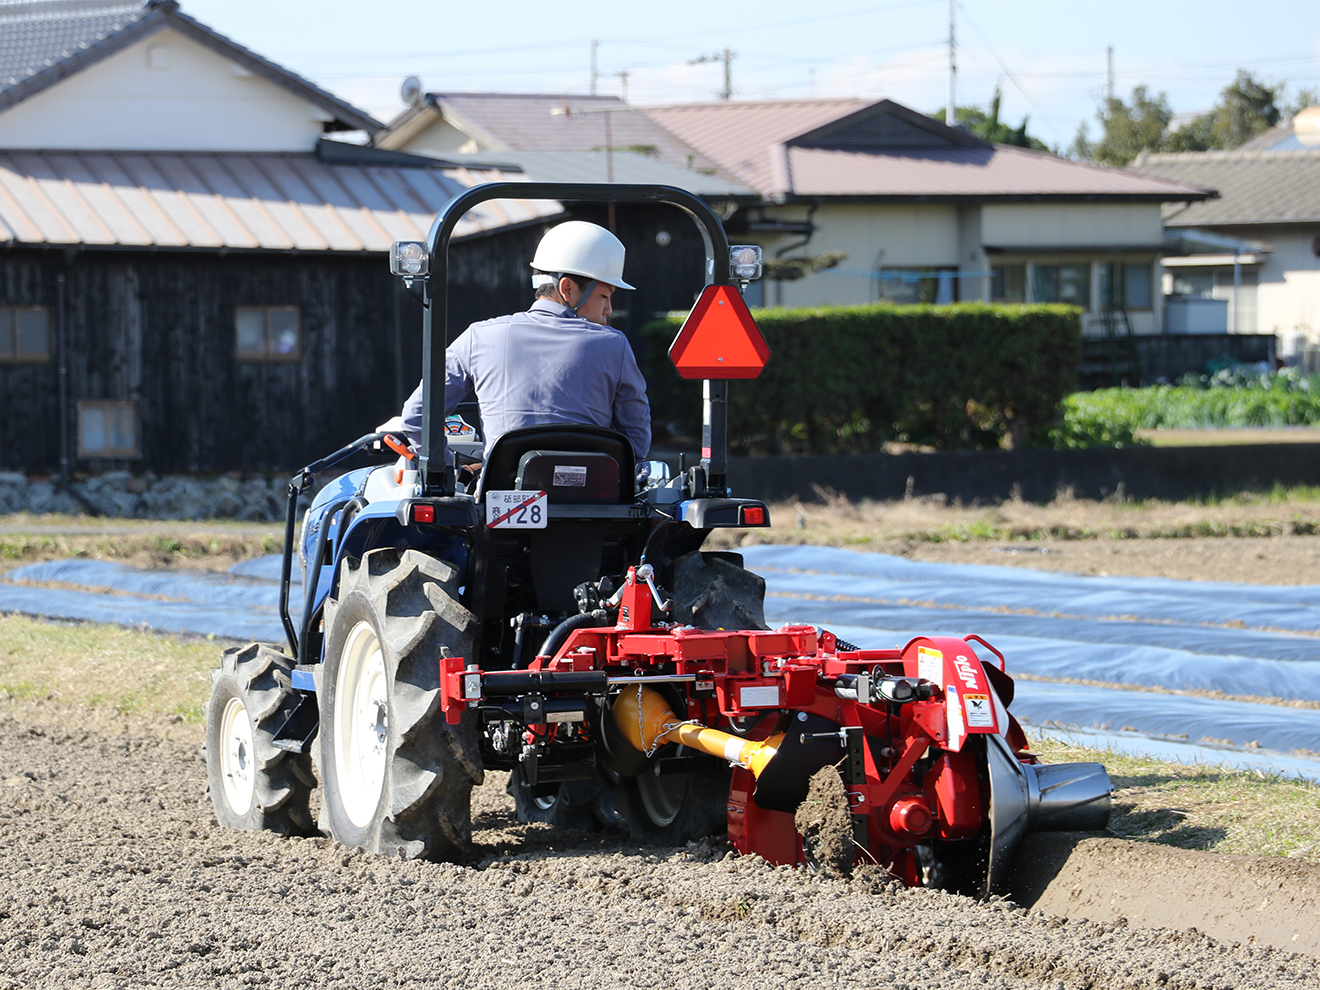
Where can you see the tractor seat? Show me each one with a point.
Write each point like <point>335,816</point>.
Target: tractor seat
<point>575,464</point>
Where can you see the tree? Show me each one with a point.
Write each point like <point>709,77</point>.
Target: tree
<point>988,127</point>
<point>1129,129</point>
<point>1246,107</point>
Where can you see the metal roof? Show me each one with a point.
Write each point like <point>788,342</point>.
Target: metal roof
<point>548,122</point>
<point>1254,186</point>
<point>255,201</point>
<point>882,150</point>
<point>44,41</point>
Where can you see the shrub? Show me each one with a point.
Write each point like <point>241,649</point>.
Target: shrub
<point>847,379</point>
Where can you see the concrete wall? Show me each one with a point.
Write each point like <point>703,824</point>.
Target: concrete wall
<point>165,93</point>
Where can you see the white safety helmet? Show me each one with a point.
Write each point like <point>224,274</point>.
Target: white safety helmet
<point>581,248</point>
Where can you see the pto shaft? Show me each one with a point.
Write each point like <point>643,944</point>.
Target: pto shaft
<point>647,722</point>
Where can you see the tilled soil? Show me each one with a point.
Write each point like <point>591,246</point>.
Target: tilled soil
<point>113,874</point>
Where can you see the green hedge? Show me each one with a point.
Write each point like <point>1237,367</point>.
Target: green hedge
<point>847,379</point>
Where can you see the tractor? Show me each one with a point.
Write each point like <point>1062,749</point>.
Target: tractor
<point>558,619</point>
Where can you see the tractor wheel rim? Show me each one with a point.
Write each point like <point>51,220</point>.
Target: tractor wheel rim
<point>546,802</point>
<point>236,769</point>
<point>662,796</point>
<point>361,724</point>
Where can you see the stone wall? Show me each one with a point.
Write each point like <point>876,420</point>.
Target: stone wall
<point>120,494</point>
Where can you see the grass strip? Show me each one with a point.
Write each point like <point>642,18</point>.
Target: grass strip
<point>100,666</point>
<point>1200,806</point>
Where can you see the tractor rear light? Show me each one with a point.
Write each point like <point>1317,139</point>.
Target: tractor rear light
<point>423,513</point>
<point>752,515</point>
<point>411,259</point>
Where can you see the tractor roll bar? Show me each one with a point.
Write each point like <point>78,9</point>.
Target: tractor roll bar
<point>439,481</point>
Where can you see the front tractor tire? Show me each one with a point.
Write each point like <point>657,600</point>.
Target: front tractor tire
<point>254,785</point>
<point>397,778</point>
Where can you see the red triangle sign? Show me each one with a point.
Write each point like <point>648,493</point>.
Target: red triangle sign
<point>719,339</point>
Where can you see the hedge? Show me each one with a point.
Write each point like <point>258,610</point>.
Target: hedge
<point>847,379</point>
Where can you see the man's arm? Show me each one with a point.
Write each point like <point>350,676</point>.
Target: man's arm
<point>458,382</point>
<point>632,410</point>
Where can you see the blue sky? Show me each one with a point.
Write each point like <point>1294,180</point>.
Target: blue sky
<point>1049,54</point>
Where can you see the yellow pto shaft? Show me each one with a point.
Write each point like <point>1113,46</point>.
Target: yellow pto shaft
<point>646,722</point>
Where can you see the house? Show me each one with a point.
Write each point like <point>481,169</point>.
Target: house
<point>570,138</point>
<point>918,211</point>
<point>193,275</point>
<point>1256,247</point>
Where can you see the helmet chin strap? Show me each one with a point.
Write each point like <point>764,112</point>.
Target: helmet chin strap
<point>586,295</point>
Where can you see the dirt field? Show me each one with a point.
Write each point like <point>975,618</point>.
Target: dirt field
<point>113,874</point>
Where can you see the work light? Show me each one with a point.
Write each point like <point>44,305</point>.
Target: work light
<point>745,262</point>
<point>410,259</point>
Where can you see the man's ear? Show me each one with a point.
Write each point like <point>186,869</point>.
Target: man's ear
<point>566,287</point>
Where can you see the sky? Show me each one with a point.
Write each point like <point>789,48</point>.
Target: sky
<point>1049,56</point>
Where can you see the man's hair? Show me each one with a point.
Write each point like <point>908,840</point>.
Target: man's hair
<point>551,290</point>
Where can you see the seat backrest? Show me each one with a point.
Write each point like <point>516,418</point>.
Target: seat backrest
<point>509,467</point>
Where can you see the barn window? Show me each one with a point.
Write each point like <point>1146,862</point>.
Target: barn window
<point>24,333</point>
<point>268,333</point>
<point>108,429</point>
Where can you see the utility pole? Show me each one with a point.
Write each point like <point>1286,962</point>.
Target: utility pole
<point>950,116</point>
<point>623,84</point>
<point>1109,74</point>
<point>727,58</point>
<point>594,45</point>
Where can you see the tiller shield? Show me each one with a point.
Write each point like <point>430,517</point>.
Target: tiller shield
<point>939,781</point>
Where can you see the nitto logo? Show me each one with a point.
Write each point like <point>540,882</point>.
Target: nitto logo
<point>965,671</point>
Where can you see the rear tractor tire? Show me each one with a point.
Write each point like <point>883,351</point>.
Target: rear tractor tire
<point>397,777</point>
<point>254,785</point>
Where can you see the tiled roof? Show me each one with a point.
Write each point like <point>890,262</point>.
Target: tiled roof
<point>591,166</point>
<point>44,41</point>
<point>36,34</point>
<point>279,202</point>
<point>882,150</point>
<point>1254,186</point>
<point>556,122</point>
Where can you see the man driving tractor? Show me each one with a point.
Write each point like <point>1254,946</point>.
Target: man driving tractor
<point>558,362</point>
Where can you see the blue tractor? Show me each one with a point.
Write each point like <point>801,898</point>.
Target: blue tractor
<point>560,621</point>
<point>403,567</point>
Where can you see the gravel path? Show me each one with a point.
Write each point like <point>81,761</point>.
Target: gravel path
<point>113,874</point>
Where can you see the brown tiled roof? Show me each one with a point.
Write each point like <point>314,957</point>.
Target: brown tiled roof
<point>882,150</point>
<point>275,202</point>
<point>1254,186</point>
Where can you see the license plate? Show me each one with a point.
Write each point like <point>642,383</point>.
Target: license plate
<point>517,510</point>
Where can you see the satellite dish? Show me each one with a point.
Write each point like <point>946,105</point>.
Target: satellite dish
<point>411,91</point>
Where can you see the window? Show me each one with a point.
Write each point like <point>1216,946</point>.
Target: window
<point>1069,284</point>
<point>919,285</point>
<point>24,334</point>
<point>108,429</point>
<point>1133,285</point>
<point>1008,283</point>
<point>268,333</point>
